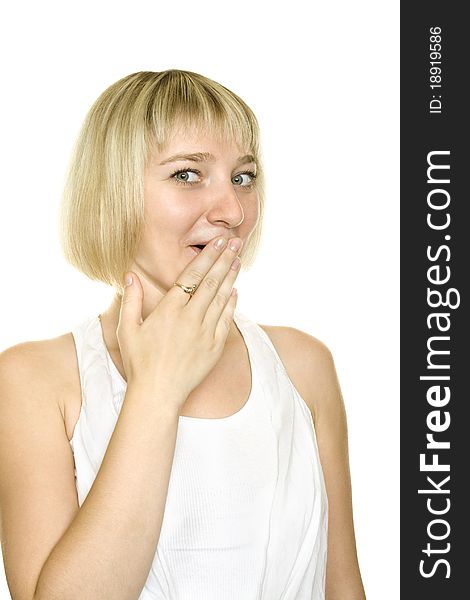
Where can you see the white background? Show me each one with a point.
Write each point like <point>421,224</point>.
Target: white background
<point>322,78</point>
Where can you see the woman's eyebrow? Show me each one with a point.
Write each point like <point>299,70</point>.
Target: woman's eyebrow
<point>204,157</point>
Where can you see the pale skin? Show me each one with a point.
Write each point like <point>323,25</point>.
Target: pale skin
<point>220,204</point>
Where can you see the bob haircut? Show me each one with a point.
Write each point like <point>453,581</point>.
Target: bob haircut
<point>102,209</point>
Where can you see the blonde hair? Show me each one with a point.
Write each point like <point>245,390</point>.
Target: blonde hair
<point>102,211</point>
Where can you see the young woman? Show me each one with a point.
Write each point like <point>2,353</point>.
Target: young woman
<point>169,447</point>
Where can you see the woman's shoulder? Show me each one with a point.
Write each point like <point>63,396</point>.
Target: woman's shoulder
<point>308,361</point>
<point>47,366</point>
<point>46,357</point>
<point>290,338</point>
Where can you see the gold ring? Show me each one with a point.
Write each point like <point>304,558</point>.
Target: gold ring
<point>189,290</point>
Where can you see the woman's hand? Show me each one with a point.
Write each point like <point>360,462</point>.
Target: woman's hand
<point>182,339</point>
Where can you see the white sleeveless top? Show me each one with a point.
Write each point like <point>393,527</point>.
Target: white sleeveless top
<point>246,511</point>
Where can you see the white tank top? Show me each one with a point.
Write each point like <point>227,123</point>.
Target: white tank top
<point>246,511</point>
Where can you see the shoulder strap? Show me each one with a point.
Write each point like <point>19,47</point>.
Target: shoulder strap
<point>258,332</point>
<point>98,413</point>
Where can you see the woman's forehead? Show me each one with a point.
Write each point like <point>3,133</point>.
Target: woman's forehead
<point>202,146</point>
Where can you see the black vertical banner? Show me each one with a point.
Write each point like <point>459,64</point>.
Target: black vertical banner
<point>435,257</point>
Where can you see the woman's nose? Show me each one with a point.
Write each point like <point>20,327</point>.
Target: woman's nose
<point>225,206</point>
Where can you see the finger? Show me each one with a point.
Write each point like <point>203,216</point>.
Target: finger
<point>216,307</point>
<point>226,318</point>
<point>210,285</point>
<point>197,269</point>
<point>130,314</point>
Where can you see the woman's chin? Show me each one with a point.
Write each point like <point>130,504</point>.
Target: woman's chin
<point>163,282</point>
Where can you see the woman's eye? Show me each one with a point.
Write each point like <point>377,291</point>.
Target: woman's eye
<point>184,176</point>
<point>238,179</point>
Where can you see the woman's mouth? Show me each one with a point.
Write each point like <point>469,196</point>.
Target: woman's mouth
<point>198,248</point>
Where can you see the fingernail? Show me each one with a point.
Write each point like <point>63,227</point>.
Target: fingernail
<point>219,243</point>
<point>236,264</point>
<point>235,244</point>
<point>128,280</point>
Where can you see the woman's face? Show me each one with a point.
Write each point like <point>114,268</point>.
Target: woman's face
<point>204,192</point>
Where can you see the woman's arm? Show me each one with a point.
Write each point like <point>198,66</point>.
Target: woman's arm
<point>54,550</point>
<point>311,368</point>
<point>343,578</point>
